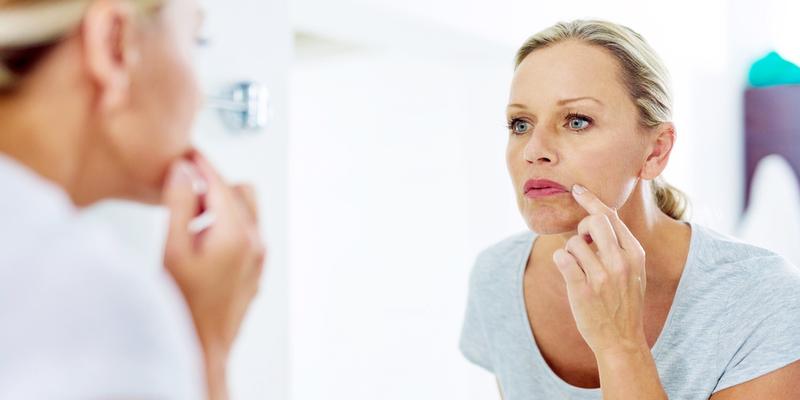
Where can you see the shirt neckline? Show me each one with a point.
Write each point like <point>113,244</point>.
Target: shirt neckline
<point>694,240</point>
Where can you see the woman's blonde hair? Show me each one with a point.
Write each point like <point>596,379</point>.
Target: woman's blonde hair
<point>641,71</point>
<point>28,28</point>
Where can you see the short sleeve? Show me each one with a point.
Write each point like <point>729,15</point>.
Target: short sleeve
<point>78,324</point>
<point>474,343</point>
<point>762,330</point>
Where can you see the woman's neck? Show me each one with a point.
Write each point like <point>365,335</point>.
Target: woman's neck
<point>665,240</point>
<point>42,132</point>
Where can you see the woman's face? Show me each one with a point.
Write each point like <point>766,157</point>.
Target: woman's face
<point>155,127</point>
<point>571,122</point>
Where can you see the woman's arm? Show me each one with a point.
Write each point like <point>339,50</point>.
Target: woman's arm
<point>630,375</point>
<point>606,294</point>
<point>783,383</point>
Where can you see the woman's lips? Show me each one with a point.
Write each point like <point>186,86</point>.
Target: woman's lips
<point>536,188</point>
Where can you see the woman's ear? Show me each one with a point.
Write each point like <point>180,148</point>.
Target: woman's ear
<point>658,150</point>
<point>109,50</point>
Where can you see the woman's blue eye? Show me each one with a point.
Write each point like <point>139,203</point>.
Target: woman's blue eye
<point>579,123</point>
<point>519,126</point>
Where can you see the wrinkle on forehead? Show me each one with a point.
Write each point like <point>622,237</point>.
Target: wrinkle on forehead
<point>567,70</point>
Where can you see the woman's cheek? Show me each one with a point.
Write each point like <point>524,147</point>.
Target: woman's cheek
<point>591,165</point>
<point>515,163</point>
<point>612,182</point>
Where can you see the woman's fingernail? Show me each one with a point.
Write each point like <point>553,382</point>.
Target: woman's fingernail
<point>556,257</point>
<point>578,189</point>
<point>199,185</point>
<point>184,173</point>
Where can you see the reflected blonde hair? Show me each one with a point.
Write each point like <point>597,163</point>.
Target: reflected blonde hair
<point>29,27</point>
<point>641,71</point>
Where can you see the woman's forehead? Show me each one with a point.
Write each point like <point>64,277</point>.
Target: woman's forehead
<point>567,71</point>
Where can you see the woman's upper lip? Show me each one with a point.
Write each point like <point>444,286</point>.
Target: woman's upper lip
<point>542,183</point>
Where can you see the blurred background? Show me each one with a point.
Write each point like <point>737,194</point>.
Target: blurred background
<point>382,173</point>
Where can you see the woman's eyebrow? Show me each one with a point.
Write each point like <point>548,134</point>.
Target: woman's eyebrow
<point>565,101</point>
<point>560,102</point>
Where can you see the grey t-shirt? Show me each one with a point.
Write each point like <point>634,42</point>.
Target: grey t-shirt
<point>735,316</point>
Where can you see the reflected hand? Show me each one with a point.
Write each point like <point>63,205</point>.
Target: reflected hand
<point>217,269</point>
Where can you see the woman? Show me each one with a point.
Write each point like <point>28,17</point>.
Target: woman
<point>613,294</point>
<point>96,102</point>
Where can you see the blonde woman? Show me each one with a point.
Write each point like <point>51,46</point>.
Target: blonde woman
<point>97,99</point>
<point>613,294</point>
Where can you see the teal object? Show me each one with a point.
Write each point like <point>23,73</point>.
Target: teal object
<point>771,70</point>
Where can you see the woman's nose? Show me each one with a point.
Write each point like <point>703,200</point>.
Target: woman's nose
<point>539,148</point>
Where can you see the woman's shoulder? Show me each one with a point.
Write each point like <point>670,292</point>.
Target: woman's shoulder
<point>718,252</point>
<point>509,246</point>
<point>745,272</point>
<point>87,268</point>
<point>719,248</point>
<point>81,292</point>
<point>752,295</point>
<point>88,265</point>
<point>501,258</point>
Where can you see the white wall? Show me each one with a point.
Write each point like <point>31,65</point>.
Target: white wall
<point>252,40</point>
<point>396,174</point>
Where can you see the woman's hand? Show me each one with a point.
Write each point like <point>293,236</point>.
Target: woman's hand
<point>606,294</point>
<point>605,288</point>
<point>218,269</point>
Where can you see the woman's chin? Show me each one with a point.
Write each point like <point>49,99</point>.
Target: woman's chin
<point>549,223</point>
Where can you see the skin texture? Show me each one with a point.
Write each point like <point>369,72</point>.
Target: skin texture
<point>108,114</point>
<point>603,271</point>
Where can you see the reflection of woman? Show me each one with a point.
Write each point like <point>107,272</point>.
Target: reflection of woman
<point>96,102</point>
<point>567,311</point>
